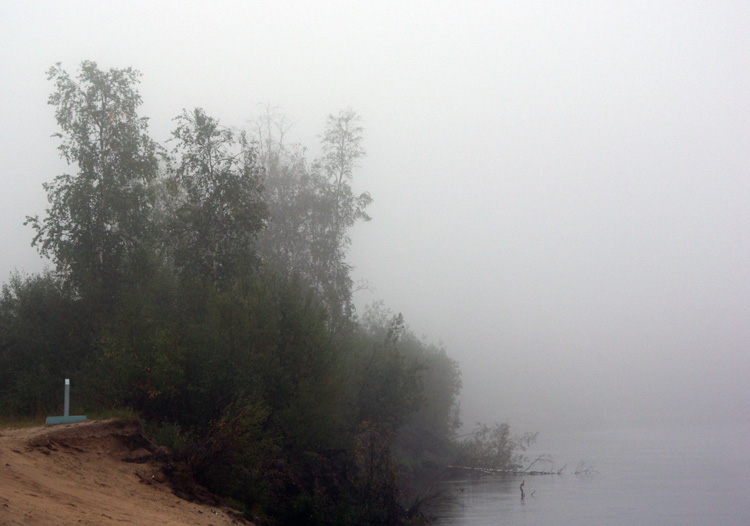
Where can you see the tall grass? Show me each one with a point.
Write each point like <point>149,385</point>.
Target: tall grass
<point>20,422</point>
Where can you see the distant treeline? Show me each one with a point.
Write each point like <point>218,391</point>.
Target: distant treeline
<point>204,284</point>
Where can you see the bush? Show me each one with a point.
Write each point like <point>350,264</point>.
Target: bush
<point>493,447</point>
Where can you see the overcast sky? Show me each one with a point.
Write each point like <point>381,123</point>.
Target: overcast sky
<point>561,189</point>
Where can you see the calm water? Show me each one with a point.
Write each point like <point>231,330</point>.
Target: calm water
<point>656,476</point>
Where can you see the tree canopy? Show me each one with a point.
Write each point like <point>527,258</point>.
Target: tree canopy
<point>220,210</point>
<point>97,223</point>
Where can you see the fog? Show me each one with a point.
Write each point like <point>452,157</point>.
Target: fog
<point>561,190</point>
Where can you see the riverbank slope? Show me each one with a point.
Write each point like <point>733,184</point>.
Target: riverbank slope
<point>97,473</point>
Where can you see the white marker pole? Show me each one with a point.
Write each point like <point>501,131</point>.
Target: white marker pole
<point>67,397</point>
<point>67,419</point>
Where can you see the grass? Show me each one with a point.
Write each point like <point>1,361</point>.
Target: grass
<point>22,422</point>
<point>106,414</point>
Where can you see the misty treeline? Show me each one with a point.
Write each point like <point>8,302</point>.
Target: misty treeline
<point>203,283</point>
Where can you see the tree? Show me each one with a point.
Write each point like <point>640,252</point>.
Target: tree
<point>342,148</point>
<point>292,192</point>
<point>98,219</point>
<point>312,206</point>
<point>220,209</point>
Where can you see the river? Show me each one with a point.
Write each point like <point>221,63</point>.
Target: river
<point>660,476</point>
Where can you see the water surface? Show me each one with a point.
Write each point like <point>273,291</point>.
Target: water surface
<point>667,476</point>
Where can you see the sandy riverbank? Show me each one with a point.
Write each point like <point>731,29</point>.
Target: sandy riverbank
<point>93,473</point>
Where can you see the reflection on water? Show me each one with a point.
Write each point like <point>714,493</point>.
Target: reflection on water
<point>487,500</point>
<point>671,476</point>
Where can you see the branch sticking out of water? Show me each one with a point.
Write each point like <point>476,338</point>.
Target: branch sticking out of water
<point>583,469</point>
<point>543,459</point>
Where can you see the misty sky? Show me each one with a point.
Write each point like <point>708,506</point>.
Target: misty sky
<point>561,189</point>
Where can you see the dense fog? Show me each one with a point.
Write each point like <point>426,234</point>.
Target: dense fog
<point>561,193</point>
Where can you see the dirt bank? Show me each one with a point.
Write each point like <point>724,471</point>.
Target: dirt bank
<point>95,473</point>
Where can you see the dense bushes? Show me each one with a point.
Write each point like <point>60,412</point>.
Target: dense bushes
<point>246,383</point>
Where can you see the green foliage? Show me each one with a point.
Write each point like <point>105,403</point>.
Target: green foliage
<point>232,438</point>
<point>138,357</point>
<point>390,389</point>
<point>342,148</point>
<point>302,371</point>
<point>121,413</point>
<point>44,337</point>
<point>97,223</point>
<point>411,387</point>
<point>219,210</point>
<point>312,207</point>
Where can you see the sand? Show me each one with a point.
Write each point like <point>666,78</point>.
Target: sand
<point>92,473</point>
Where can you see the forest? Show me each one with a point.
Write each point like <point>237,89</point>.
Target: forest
<point>203,284</point>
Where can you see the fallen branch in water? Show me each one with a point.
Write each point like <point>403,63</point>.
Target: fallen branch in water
<point>581,468</point>
<point>541,458</point>
<point>488,471</point>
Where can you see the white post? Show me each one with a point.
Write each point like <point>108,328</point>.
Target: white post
<point>67,397</point>
<point>66,419</point>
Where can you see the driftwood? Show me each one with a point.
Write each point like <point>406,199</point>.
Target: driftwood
<point>488,471</point>
<point>581,469</point>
